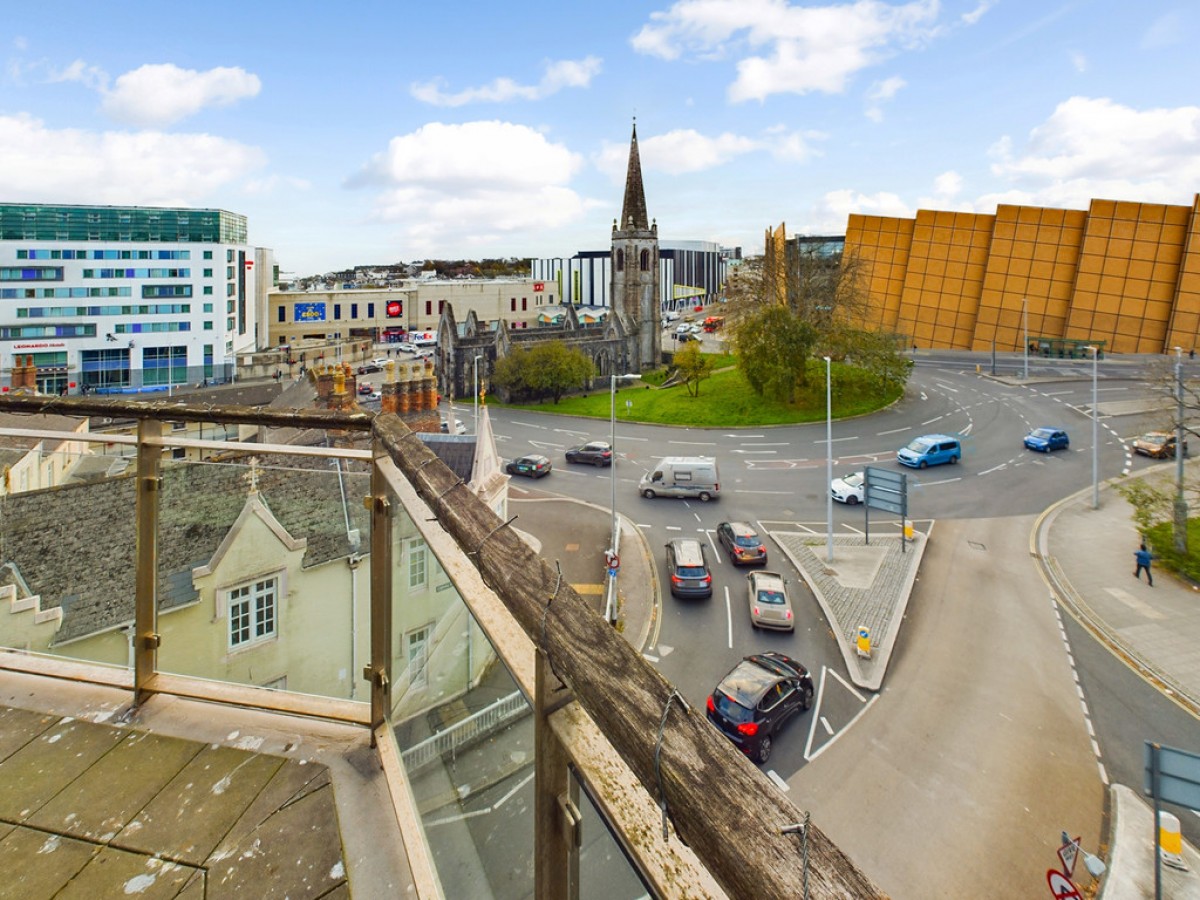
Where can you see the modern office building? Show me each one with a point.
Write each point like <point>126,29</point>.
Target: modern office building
<point>690,272</point>
<point>126,299</point>
<point>1122,275</point>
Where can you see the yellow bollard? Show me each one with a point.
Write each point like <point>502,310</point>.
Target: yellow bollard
<point>908,530</point>
<point>864,641</point>
<point>1170,840</point>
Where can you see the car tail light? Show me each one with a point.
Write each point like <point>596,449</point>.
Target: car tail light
<point>749,729</point>
<point>789,614</point>
<point>762,548</point>
<point>757,611</point>
<point>712,707</point>
<point>675,579</point>
<point>708,579</point>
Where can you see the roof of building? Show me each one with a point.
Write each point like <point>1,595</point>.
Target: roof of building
<point>633,211</point>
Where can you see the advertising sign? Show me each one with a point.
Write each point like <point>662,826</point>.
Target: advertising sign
<point>309,312</point>
<point>395,309</point>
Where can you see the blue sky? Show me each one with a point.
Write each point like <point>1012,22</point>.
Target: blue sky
<point>377,132</point>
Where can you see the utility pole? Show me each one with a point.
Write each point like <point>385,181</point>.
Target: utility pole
<point>1181,506</point>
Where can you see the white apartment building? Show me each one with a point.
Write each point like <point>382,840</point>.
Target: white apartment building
<point>127,299</point>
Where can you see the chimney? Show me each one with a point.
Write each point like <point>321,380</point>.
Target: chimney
<point>390,401</point>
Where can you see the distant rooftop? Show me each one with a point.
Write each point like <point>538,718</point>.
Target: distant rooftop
<point>135,224</point>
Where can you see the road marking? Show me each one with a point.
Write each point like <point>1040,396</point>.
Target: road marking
<point>694,443</point>
<point>627,438</point>
<point>735,450</point>
<point>716,549</point>
<point>491,809</point>
<point>674,528</point>
<point>992,469</point>
<point>892,431</point>
<point>743,435</point>
<point>776,493</point>
<point>837,440</point>
<point>777,444</point>
<point>828,728</point>
<point>530,425</point>
<point>943,481</point>
<point>729,618</point>
<point>588,588</point>
<point>650,657</point>
<point>1056,393</point>
<point>931,421</point>
<point>779,782</point>
<point>848,686</point>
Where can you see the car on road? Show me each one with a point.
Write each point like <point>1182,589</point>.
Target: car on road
<point>930,450</point>
<point>759,695</point>
<point>849,488</point>
<point>532,466</point>
<point>459,427</point>
<point>687,567</point>
<point>769,603</point>
<point>369,368</point>
<point>365,389</point>
<point>742,543</point>
<point>687,336</point>
<point>683,328</point>
<point>1047,439</point>
<point>1157,445</point>
<point>593,453</point>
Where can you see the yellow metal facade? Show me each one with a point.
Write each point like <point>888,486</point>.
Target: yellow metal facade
<point>1124,273</point>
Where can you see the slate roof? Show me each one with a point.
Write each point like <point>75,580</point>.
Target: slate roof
<point>456,450</point>
<point>74,545</point>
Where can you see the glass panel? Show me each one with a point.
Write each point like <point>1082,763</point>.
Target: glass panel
<point>605,872</point>
<point>260,581</point>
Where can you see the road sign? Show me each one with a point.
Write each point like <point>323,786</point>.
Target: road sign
<point>1178,775</point>
<point>1069,853</point>
<point>1061,887</point>
<point>886,490</point>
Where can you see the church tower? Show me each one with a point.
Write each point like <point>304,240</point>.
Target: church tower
<point>635,270</point>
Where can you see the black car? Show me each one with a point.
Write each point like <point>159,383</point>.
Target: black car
<point>533,466</point>
<point>742,542</point>
<point>594,453</point>
<point>752,703</point>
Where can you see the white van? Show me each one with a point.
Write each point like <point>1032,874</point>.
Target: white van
<point>683,476</point>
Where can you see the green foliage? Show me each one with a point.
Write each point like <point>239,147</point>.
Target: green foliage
<point>774,345</point>
<point>549,369</point>
<point>875,352</point>
<point>1151,505</point>
<point>1160,538</point>
<point>693,366</point>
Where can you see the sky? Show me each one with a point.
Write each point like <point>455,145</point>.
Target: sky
<point>379,132</point>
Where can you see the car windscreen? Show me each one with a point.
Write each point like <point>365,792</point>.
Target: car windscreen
<point>774,598</point>
<point>1045,433</point>
<point>919,446</point>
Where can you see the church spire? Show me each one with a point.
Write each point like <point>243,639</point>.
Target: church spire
<point>633,212</point>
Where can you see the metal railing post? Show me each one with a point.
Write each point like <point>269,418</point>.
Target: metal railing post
<point>149,483</point>
<point>379,672</point>
<point>556,820</point>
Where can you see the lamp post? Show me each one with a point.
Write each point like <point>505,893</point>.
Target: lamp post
<point>1095,433</point>
<point>1181,507</point>
<point>1025,328</point>
<point>828,460</point>
<point>610,603</point>
<point>478,357</point>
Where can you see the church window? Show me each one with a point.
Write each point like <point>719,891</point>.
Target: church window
<point>620,260</point>
<point>645,260</point>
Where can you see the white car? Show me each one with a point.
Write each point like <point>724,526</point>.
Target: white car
<point>683,328</point>
<point>848,489</point>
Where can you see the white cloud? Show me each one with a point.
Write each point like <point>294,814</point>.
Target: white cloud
<point>784,48</point>
<point>881,92</point>
<point>89,76</point>
<point>970,18</point>
<point>559,74</point>
<point>161,94</point>
<point>1079,61</point>
<point>272,183</point>
<point>830,213</point>
<point>1094,147</point>
<point>146,168</point>
<point>948,184</point>
<point>473,183</point>
<point>686,151</point>
<point>1164,31</point>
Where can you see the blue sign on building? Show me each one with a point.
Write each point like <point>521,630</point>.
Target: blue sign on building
<point>309,312</point>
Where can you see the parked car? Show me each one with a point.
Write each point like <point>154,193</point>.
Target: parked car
<point>849,489</point>
<point>1047,439</point>
<point>459,427</point>
<point>369,368</point>
<point>742,543</point>
<point>759,695</point>
<point>930,450</point>
<point>687,567</point>
<point>593,453</point>
<point>533,466</point>
<point>769,603</point>
<point>1158,445</point>
<point>687,336</point>
<point>683,328</point>
<point>365,389</point>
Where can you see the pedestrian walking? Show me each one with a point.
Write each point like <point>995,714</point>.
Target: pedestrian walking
<point>1143,557</point>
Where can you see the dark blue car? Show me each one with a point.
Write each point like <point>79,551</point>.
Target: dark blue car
<point>1047,439</point>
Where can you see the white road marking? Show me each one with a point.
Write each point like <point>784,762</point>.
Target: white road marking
<point>777,444</point>
<point>1056,393</point>
<point>694,443</point>
<point>931,421</point>
<point>674,528</point>
<point>650,657</point>
<point>892,431</point>
<point>729,618</point>
<point>848,686</point>
<point>530,425</point>
<point>779,782</point>
<point>993,469</point>
<point>828,728</point>
<point>943,481</point>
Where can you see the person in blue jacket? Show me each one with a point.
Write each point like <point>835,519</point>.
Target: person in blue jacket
<point>1143,562</point>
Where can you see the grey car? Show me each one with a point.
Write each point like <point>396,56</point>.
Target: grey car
<point>769,603</point>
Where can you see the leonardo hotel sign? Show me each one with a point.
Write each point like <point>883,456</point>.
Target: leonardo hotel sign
<point>309,312</point>
<point>41,345</point>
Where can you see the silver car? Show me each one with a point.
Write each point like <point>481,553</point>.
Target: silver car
<point>769,603</point>
<point>848,488</point>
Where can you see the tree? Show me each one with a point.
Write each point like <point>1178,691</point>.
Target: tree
<point>693,366</point>
<point>548,369</point>
<point>773,348</point>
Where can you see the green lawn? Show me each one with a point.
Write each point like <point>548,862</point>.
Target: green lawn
<point>727,401</point>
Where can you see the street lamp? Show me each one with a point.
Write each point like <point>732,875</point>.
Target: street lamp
<point>828,460</point>
<point>478,357</point>
<point>1181,507</point>
<point>610,603</point>
<point>1095,433</point>
<point>1025,326</point>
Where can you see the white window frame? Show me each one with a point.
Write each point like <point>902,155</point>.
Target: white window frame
<point>416,655</point>
<point>418,564</point>
<point>262,623</point>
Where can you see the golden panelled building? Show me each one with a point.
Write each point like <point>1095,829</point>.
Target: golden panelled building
<point>1124,273</point>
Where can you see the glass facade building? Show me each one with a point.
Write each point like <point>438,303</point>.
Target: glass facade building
<point>162,296</point>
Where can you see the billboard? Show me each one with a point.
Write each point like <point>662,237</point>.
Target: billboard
<point>309,312</point>
<point>395,309</point>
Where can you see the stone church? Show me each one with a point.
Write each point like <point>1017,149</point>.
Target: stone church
<point>628,342</point>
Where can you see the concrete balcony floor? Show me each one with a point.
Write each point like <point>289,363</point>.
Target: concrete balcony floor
<point>186,799</point>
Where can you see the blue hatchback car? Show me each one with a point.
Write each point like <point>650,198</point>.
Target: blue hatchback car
<point>1047,439</point>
